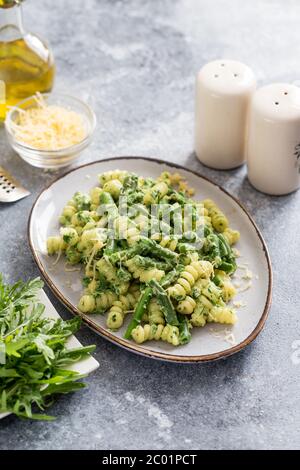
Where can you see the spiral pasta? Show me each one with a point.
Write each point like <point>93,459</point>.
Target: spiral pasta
<point>144,275</point>
<point>113,187</point>
<point>93,237</point>
<point>87,303</point>
<point>95,195</point>
<point>218,218</point>
<point>127,230</point>
<point>115,316</point>
<point>220,314</point>
<point>168,333</point>
<point>211,291</point>
<point>155,314</point>
<point>82,218</point>
<point>142,222</point>
<point>120,307</point>
<point>186,306</point>
<point>188,278</point>
<point>227,288</point>
<point>112,175</point>
<point>105,300</point>
<point>169,242</point>
<point>154,194</point>
<point>199,316</point>
<point>232,236</point>
<point>107,269</point>
<point>67,214</point>
<point>55,245</point>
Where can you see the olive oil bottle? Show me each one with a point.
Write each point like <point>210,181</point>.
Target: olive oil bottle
<point>26,63</point>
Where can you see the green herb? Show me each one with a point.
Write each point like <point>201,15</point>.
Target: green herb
<point>34,354</point>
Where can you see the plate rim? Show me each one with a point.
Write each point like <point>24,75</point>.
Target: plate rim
<point>133,347</point>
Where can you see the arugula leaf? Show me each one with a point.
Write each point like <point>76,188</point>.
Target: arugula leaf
<point>34,351</point>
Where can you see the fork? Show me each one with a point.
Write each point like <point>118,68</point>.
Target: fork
<point>10,189</point>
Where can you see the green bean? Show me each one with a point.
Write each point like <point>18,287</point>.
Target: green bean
<point>184,331</point>
<point>171,276</point>
<point>127,253</point>
<point>147,262</point>
<point>157,250</point>
<point>165,303</point>
<point>227,267</point>
<point>185,248</point>
<point>139,311</point>
<point>217,280</point>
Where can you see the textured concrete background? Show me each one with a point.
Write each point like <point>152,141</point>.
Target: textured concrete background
<point>136,61</point>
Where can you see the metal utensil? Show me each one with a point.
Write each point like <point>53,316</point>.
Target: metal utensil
<point>10,189</point>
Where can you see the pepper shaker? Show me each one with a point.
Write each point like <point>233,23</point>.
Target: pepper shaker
<point>273,149</point>
<point>223,92</point>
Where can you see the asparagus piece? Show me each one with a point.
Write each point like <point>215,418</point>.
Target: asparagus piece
<point>185,248</point>
<point>157,250</point>
<point>139,311</point>
<point>184,331</point>
<point>171,276</point>
<point>224,247</point>
<point>165,303</point>
<point>228,258</point>
<point>126,254</point>
<point>147,262</point>
<point>227,267</point>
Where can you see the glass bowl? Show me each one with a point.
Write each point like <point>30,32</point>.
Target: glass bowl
<point>52,158</point>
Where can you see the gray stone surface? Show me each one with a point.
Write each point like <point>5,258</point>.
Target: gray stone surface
<point>135,61</point>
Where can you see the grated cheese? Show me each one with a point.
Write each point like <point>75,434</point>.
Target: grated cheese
<point>236,253</point>
<point>246,286</point>
<point>49,127</point>
<point>59,253</point>
<point>224,335</point>
<point>239,303</point>
<point>70,269</point>
<point>248,275</point>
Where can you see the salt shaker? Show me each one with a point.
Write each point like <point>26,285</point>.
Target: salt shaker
<point>273,149</point>
<point>223,92</point>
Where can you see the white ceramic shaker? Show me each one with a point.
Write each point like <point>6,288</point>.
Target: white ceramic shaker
<point>223,92</point>
<point>273,150</point>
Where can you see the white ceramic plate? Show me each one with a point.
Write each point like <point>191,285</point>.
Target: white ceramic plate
<point>208,343</point>
<point>85,366</point>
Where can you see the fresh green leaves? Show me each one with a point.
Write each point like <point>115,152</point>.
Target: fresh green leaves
<point>34,352</point>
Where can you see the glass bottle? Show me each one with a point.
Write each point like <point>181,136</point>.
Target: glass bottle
<point>26,63</point>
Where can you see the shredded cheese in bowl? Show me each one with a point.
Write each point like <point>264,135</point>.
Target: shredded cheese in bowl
<point>50,131</point>
<point>49,127</point>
